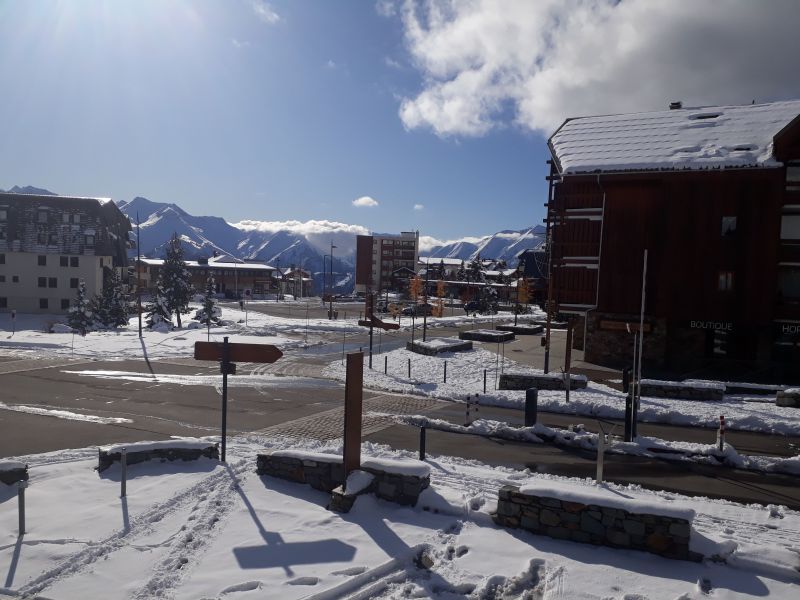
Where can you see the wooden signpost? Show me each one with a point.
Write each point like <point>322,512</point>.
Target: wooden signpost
<point>225,353</point>
<point>353,399</point>
<point>371,321</point>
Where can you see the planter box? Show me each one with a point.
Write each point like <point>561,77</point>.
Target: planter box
<point>12,472</point>
<point>486,335</point>
<point>438,346</point>
<point>167,450</point>
<point>524,381</point>
<point>683,390</point>
<point>522,329</point>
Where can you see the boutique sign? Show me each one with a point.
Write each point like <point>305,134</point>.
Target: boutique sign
<point>712,325</point>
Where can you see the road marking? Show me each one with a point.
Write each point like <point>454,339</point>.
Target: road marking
<point>34,364</point>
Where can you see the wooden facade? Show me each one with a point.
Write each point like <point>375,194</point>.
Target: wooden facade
<point>723,267</point>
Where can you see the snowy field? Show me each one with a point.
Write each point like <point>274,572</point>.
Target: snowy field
<point>465,378</point>
<point>204,530</point>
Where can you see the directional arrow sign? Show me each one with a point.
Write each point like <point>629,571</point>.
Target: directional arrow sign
<point>252,353</point>
<point>376,322</point>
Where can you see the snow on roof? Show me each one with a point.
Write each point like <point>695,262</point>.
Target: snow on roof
<point>435,261</point>
<point>398,466</point>
<point>688,138</point>
<point>193,263</point>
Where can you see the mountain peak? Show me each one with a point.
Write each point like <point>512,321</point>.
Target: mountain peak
<point>29,189</point>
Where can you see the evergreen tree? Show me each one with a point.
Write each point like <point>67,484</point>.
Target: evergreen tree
<point>488,299</point>
<point>115,302</point>
<point>475,269</point>
<point>210,314</point>
<point>158,310</point>
<point>81,316</point>
<point>461,274</point>
<point>441,269</point>
<point>176,279</point>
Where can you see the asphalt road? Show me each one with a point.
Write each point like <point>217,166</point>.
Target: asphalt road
<point>188,403</point>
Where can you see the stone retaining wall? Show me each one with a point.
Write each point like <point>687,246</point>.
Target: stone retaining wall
<point>106,459</point>
<point>790,397</point>
<point>524,381</point>
<point>682,391</point>
<point>522,329</point>
<point>329,475</point>
<point>12,476</point>
<point>428,350</point>
<point>486,335</point>
<point>592,524</point>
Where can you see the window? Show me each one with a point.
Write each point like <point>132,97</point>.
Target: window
<point>52,282</point>
<point>2,232</point>
<point>789,283</point>
<point>42,260</point>
<point>76,218</point>
<point>63,261</point>
<point>41,216</point>
<point>3,214</point>
<point>3,302</point>
<point>790,227</point>
<point>90,240</point>
<point>725,281</point>
<point>728,226</point>
<point>53,239</point>
<point>15,279</point>
<point>793,176</point>
<point>64,304</point>
<point>73,261</point>
<point>73,283</point>
<point>42,281</point>
<point>65,217</point>
<point>42,302</point>
<point>41,238</point>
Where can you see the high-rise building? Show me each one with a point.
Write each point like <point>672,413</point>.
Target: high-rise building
<point>386,261</point>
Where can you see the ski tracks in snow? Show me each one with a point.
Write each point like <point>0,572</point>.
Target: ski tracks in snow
<point>214,497</point>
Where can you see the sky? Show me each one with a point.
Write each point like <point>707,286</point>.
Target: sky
<point>391,115</point>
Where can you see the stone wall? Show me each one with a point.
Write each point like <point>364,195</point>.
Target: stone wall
<point>790,397</point>
<point>106,459</point>
<point>522,329</point>
<point>592,524</point>
<point>682,391</point>
<point>524,381</point>
<point>11,476</point>
<point>430,350</point>
<point>324,475</point>
<point>614,348</point>
<point>327,475</point>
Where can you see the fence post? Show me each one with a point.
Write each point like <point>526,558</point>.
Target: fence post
<point>601,448</point>
<point>531,406</point>
<point>123,482</point>
<point>21,485</point>
<point>385,365</point>
<point>445,371</point>
<point>484,381</point>
<point>422,431</point>
<point>721,434</point>
<point>477,407</point>
<point>466,416</point>
<point>409,368</point>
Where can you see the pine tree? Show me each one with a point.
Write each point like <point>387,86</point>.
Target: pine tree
<point>441,269</point>
<point>158,310</point>
<point>461,274</point>
<point>81,316</point>
<point>210,313</point>
<point>176,279</point>
<point>475,269</point>
<point>115,302</point>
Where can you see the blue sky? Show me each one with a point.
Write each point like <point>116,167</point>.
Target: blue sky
<point>292,110</point>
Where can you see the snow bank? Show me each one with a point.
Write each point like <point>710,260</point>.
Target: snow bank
<point>603,496</point>
<point>398,466</point>
<point>357,481</point>
<point>705,385</point>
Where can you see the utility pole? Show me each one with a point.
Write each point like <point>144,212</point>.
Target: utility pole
<point>280,277</point>
<point>425,310</point>
<point>138,275</point>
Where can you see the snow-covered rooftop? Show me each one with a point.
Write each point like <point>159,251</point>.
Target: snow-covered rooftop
<point>214,262</point>
<point>686,138</point>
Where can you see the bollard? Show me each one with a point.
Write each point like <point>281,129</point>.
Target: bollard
<point>626,380</point>
<point>477,408</point>
<point>123,482</point>
<point>484,381</point>
<point>629,416</point>
<point>601,448</point>
<point>466,417</point>
<point>531,406</point>
<point>385,365</point>
<point>21,485</point>
<point>445,371</point>
<point>721,434</point>
<point>422,432</point>
<point>409,368</point>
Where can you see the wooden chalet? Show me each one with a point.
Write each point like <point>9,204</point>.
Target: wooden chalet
<point>713,195</point>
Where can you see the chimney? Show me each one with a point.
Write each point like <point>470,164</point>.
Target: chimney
<point>675,105</point>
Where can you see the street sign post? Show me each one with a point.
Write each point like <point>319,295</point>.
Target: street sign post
<point>353,399</point>
<point>371,321</point>
<point>225,353</point>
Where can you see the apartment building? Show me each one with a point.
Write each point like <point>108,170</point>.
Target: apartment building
<point>386,261</point>
<point>49,243</point>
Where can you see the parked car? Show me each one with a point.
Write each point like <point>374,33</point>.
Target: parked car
<point>418,310</point>
<point>472,306</point>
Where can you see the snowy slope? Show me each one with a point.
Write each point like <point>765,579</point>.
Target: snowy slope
<point>503,245</point>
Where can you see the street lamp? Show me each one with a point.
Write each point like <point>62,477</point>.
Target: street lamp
<point>330,297</point>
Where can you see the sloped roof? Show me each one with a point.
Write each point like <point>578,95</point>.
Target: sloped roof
<point>686,138</point>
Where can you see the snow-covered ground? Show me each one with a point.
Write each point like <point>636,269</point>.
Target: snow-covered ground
<point>465,378</point>
<point>190,530</point>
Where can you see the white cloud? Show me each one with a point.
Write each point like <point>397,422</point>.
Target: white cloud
<point>419,206</point>
<point>390,62</point>
<point>426,242</point>
<point>264,12</point>
<point>331,64</point>
<point>532,64</point>
<point>318,233</point>
<point>365,201</point>
<point>240,44</point>
<point>386,8</point>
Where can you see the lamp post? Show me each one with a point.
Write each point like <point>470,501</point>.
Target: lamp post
<point>330,297</point>
<point>324,278</point>
<point>520,266</point>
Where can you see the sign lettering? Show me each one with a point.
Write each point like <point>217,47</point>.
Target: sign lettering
<point>715,325</point>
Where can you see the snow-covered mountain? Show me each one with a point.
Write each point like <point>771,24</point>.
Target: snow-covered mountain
<point>29,189</point>
<point>503,245</point>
